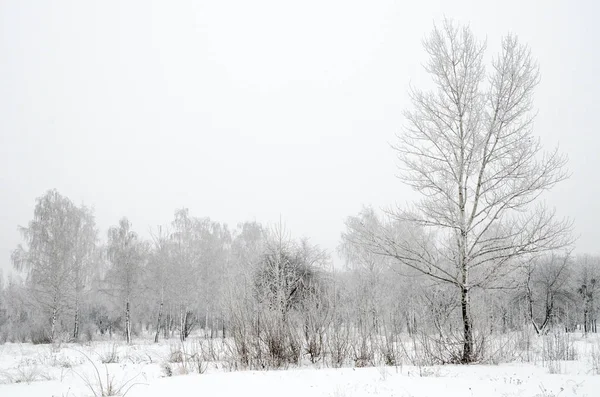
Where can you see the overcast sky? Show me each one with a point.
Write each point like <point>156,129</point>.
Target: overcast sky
<point>252,110</point>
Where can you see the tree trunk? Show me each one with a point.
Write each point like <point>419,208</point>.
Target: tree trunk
<point>530,305</point>
<point>206,324</point>
<point>160,311</point>
<point>167,325</point>
<point>549,313</point>
<point>53,323</point>
<point>213,327</point>
<point>76,325</point>
<point>223,323</point>
<point>127,323</point>
<point>182,323</point>
<point>467,355</point>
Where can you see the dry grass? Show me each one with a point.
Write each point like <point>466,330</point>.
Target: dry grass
<point>103,384</point>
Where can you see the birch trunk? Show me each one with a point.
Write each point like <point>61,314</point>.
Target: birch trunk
<point>53,323</point>
<point>127,322</point>
<point>468,351</point>
<point>76,324</point>
<point>182,323</point>
<point>160,312</point>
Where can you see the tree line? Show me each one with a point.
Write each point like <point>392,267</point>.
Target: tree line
<point>264,289</point>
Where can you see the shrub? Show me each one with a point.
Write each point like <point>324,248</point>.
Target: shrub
<point>39,336</point>
<point>106,386</point>
<point>110,356</point>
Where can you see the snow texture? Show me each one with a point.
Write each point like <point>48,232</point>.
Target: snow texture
<point>31,371</point>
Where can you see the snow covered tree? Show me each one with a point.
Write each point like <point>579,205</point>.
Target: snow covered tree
<point>127,254</point>
<point>587,286</point>
<point>160,264</point>
<point>186,270</point>
<point>84,258</point>
<point>469,150</point>
<point>59,243</point>
<point>546,289</point>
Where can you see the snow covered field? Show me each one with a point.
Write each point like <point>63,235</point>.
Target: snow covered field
<point>144,369</point>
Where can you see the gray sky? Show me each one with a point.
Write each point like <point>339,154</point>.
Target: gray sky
<point>248,110</point>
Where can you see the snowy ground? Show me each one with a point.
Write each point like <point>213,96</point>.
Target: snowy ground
<point>70,371</point>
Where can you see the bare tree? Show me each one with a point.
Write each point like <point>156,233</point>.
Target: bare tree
<point>546,289</point>
<point>215,247</point>
<point>287,270</point>
<point>587,276</point>
<point>468,149</point>
<point>60,240</point>
<point>370,270</point>
<point>186,272</point>
<point>126,254</point>
<point>86,236</point>
<point>159,265</point>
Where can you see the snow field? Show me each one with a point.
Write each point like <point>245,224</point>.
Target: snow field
<point>200,366</point>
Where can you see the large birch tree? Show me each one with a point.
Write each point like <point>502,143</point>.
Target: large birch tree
<point>468,149</point>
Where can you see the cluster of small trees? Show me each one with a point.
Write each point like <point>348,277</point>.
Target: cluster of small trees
<point>72,281</point>
<point>478,254</point>
<point>561,290</point>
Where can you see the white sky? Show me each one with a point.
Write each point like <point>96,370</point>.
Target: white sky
<point>248,110</point>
